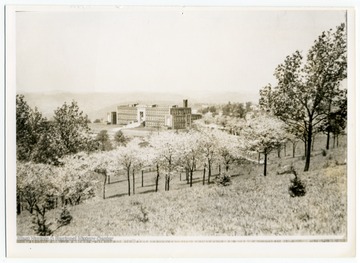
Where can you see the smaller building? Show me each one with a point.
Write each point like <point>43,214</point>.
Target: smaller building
<point>112,117</point>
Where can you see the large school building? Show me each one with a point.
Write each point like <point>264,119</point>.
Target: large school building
<point>173,117</point>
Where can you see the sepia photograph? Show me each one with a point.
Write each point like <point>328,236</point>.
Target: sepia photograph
<point>180,124</point>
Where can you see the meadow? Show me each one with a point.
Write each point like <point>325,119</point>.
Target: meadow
<point>251,205</point>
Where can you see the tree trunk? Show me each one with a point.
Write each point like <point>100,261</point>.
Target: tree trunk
<point>157,178</point>
<point>104,186</point>
<point>219,168</point>
<point>191,177</point>
<point>327,140</point>
<point>313,142</point>
<point>168,186</point>
<point>308,150</point>
<point>294,149</point>
<point>108,179</point>
<point>334,140</point>
<point>305,150</point>
<point>187,175</point>
<point>209,171</point>
<point>133,174</point>
<point>142,178</point>
<point>285,144</point>
<point>279,152</point>
<point>128,177</point>
<point>204,175</point>
<point>259,158</point>
<point>337,140</point>
<point>18,205</point>
<point>265,163</point>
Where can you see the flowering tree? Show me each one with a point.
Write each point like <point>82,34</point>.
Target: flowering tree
<point>263,134</point>
<point>190,148</point>
<point>35,185</point>
<point>209,149</point>
<point>228,148</point>
<point>167,147</point>
<point>128,158</point>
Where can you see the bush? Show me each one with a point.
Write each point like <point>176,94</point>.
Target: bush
<point>297,187</point>
<point>323,152</point>
<point>65,217</point>
<point>223,179</point>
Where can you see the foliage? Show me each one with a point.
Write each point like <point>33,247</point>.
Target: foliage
<point>234,110</point>
<point>49,148</point>
<point>304,88</point>
<point>167,145</point>
<point>35,184</point>
<point>29,127</point>
<point>129,159</point>
<point>103,139</point>
<point>297,187</point>
<point>263,134</point>
<point>41,227</point>
<point>190,145</point>
<point>210,109</point>
<point>43,141</point>
<point>120,138</point>
<point>65,217</point>
<point>73,128</point>
<point>223,179</point>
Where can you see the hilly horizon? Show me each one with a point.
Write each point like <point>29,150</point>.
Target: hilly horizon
<point>96,105</point>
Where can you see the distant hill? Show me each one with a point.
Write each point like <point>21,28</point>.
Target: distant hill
<point>96,105</point>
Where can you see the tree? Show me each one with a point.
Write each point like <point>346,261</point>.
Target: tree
<point>335,122</point>
<point>128,159</point>
<point>209,149</point>
<point>262,135</point>
<point>73,128</point>
<point>29,126</point>
<point>228,148</point>
<point>304,88</point>
<point>103,139</point>
<point>120,138</point>
<point>49,147</point>
<point>167,145</point>
<point>34,184</point>
<point>106,164</point>
<point>190,144</point>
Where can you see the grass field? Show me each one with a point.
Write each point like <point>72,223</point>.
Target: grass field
<point>252,205</point>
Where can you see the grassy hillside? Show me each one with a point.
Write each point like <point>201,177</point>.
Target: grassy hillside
<point>251,205</point>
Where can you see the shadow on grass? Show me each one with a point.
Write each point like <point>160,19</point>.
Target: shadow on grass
<point>117,195</point>
<point>117,181</point>
<point>147,191</point>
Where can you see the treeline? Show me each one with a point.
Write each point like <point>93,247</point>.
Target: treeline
<point>231,109</point>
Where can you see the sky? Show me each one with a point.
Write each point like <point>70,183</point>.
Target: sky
<point>161,49</point>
